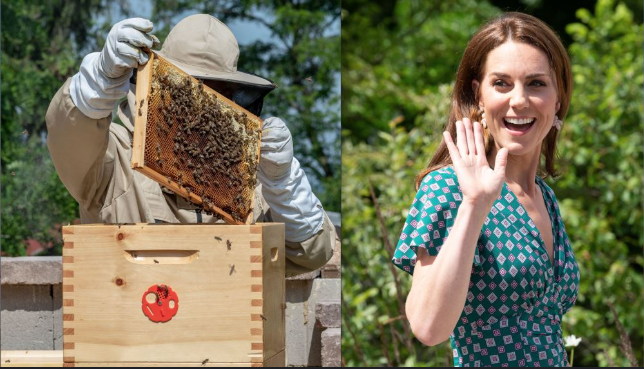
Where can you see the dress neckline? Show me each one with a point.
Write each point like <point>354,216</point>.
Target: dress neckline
<point>552,263</point>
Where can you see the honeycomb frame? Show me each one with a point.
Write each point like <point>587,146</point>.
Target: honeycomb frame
<point>153,130</point>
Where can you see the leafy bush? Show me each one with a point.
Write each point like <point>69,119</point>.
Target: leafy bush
<point>35,204</point>
<point>600,190</point>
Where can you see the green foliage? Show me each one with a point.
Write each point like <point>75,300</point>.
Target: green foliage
<point>40,45</point>
<point>370,336</point>
<point>599,192</point>
<point>601,185</point>
<point>395,55</point>
<point>34,206</point>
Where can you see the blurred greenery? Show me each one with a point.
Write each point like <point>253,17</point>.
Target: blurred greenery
<point>40,45</point>
<point>43,43</point>
<point>399,60</point>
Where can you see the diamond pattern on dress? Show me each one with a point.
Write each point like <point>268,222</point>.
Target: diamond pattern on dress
<point>513,312</point>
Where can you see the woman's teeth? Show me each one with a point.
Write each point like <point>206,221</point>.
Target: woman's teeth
<point>518,126</point>
<point>519,121</point>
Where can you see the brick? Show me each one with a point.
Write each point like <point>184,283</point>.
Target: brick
<point>327,314</point>
<point>332,268</point>
<point>302,334</point>
<point>331,348</point>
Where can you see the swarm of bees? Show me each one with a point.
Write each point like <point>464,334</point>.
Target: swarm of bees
<point>201,143</point>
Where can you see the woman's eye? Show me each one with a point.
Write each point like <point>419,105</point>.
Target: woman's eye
<point>500,83</point>
<point>537,83</point>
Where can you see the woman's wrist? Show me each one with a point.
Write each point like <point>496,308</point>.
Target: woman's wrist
<point>478,204</point>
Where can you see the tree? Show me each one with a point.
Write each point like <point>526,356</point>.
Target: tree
<point>395,53</point>
<point>601,189</point>
<point>41,42</point>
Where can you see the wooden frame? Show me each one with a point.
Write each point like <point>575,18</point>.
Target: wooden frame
<point>143,86</point>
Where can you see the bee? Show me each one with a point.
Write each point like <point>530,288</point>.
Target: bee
<point>204,362</point>
<point>156,261</point>
<point>141,104</point>
<point>232,269</point>
<point>229,245</point>
<point>262,316</point>
<point>217,238</point>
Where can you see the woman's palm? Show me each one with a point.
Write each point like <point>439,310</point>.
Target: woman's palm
<point>477,180</point>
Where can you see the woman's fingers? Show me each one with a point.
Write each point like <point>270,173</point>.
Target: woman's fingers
<point>478,140</point>
<point>453,151</point>
<point>469,134</point>
<point>461,139</point>
<point>501,161</point>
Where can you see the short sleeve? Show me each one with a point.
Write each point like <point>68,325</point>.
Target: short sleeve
<point>430,218</point>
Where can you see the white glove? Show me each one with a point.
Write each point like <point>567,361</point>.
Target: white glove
<point>104,78</point>
<point>276,150</point>
<point>285,186</point>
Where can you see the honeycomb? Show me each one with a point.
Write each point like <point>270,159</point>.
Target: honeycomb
<point>201,145</point>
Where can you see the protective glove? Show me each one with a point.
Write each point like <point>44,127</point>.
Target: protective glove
<point>276,149</point>
<point>285,186</point>
<point>104,78</point>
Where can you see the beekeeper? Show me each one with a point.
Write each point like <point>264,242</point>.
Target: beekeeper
<point>92,154</point>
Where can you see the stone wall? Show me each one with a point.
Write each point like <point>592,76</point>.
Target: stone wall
<point>31,303</point>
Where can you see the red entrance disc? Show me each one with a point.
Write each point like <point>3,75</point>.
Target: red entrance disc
<point>160,311</point>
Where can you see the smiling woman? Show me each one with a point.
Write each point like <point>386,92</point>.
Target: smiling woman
<point>492,265</point>
<point>519,94</point>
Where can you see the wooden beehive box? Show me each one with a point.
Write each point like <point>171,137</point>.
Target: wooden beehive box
<point>228,279</point>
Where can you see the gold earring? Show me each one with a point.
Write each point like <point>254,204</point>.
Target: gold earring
<point>483,121</point>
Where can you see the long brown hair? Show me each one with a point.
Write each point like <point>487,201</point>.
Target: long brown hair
<point>518,27</point>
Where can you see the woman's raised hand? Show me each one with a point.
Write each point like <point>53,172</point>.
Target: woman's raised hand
<point>479,183</point>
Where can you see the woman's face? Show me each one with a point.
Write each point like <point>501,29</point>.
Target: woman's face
<point>518,95</point>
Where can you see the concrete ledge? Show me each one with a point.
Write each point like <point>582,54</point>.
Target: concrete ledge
<point>33,270</point>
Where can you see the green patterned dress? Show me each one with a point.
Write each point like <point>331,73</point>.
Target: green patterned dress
<point>516,297</point>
